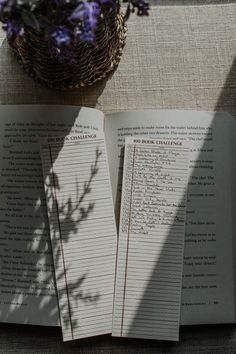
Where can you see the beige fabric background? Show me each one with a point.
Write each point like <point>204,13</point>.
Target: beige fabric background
<point>179,57</point>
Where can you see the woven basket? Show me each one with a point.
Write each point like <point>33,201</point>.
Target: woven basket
<point>93,62</point>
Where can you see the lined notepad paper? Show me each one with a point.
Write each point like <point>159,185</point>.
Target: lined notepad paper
<point>83,232</point>
<point>151,240</point>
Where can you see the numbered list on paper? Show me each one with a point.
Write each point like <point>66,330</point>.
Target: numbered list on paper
<point>151,240</point>
<point>83,232</point>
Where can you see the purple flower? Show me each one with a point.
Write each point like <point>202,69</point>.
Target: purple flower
<point>85,35</point>
<point>61,45</point>
<point>2,5</point>
<point>13,29</point>
<point>87,12</point>
<point>86,16</point>
<point>61,37</point>
<point>62,22</point>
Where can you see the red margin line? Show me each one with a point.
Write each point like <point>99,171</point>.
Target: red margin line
<point>127,249</point>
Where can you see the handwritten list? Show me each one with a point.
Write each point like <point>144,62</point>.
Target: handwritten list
<point>151,240</point>
<point>83,232</point>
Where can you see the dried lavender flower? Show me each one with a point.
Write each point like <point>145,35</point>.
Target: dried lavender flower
<point>85,16</point>
<point>61,37</point>
<point>62,22</point>
<point>13,29</point>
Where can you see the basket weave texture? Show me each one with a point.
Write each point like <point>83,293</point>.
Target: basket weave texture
<point>93,63</point>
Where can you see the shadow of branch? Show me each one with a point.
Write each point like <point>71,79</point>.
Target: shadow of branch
<point>71,213</point>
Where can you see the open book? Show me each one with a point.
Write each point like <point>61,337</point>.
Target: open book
<point>83,236</point>
<point>27,291</point>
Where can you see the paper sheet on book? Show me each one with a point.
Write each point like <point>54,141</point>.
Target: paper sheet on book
<point>83,232</point>
<point>27,289</point>
<point>151,240</point>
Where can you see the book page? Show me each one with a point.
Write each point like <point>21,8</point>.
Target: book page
<point>83,232</point>
<point>152,224</point>
<point>27,291</point>
<point>208,276</point>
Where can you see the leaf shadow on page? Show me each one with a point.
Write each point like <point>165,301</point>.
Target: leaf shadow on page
<point>202,277</point>
<point>71,213</point>
<point>27,285</point>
